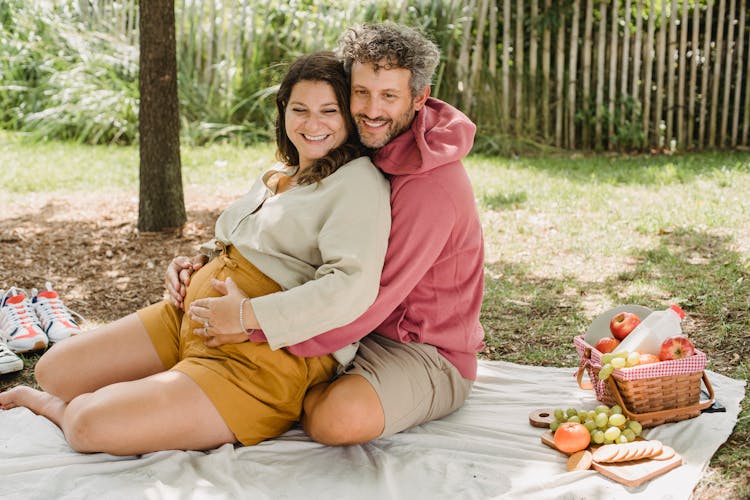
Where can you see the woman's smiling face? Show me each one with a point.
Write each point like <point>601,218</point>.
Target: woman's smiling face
<point>314,121</point>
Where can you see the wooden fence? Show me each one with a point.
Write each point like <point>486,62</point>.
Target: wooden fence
<point>577,74</point>
<point>619,73</point>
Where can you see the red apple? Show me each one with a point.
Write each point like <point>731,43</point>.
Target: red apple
<point>622,324</point>
<point>607,344</point>
<point>676,347</point>
<point>646,358</point>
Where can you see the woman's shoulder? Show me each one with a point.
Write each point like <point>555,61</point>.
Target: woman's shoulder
<point>361,174</point>
<point>359,167</point>
<point>360,162</point>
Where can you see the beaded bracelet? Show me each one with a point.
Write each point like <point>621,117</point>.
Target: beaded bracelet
<point>242,320</point>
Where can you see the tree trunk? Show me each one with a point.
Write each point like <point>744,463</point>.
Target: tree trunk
<point>161,202</point>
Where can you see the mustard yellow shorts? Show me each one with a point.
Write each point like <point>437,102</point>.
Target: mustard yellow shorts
<point>257,391</point>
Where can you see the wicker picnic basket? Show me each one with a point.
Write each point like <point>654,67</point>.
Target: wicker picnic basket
<point>652,394</point>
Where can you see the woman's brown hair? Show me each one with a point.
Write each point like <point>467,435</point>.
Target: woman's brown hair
<point>317,67</point>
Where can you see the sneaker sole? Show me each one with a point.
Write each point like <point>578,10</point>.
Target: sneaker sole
<point>40,345</point>
<point>54,340</point>
<point>16,366</point>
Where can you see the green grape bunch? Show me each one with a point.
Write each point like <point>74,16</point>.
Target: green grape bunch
<point>606,425</point>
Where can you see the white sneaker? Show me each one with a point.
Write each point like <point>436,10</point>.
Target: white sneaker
<point>19,324</point>
<point>9,362</point>
<point>56,319</point>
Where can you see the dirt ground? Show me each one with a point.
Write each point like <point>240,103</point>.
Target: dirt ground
<point>88,247</point>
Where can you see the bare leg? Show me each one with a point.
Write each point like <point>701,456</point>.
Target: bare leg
<point>116,352</point>
<point>346,411</point>
<point>39,402</point>
<point>166,411</point>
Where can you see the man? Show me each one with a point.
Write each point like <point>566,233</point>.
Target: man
<point>419,362</point>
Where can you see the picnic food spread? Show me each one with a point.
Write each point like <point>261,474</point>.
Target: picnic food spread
<point>646,372</point>
<point>628,458</point>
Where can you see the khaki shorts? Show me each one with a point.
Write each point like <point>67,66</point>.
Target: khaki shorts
<point>414,382</point>
<point>257,391</point>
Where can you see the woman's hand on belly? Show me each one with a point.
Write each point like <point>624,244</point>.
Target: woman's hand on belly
<point>178,277</point>
<point>220,316</point>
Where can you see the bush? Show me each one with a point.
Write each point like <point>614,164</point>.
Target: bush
<point>59,79</point>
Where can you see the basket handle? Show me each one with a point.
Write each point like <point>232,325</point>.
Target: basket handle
<point>583,384</point>
<point>585,360</point>
<point>655,415</point>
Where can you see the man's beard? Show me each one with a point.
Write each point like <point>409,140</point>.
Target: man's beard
<point>393,128</point>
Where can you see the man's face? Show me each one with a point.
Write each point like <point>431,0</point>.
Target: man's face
<point>382,103</point>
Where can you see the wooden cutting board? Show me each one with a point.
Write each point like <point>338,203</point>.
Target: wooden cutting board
<point>631,473</point>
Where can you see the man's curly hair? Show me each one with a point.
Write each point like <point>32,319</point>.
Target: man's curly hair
<point>398,45</point>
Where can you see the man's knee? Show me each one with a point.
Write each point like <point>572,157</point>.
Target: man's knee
<point>345,412</point>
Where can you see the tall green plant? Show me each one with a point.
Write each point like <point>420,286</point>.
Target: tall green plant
<point>61,80</point>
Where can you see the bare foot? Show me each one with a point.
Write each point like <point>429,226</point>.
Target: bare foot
<point>39,402</point>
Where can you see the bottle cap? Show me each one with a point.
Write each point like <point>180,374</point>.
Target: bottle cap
<point>679,311</point>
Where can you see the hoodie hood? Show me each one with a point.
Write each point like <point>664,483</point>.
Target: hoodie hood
<point>442,134</point>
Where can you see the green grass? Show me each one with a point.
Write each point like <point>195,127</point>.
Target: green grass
<point>567,237</point>
<point>63,167</point>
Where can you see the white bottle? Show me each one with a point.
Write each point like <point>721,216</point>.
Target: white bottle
<point>654,329</point>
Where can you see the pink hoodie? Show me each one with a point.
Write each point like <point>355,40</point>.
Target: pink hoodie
<point>433,278</point>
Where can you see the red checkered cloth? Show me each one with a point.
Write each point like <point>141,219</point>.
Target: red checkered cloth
<point>691,364</point>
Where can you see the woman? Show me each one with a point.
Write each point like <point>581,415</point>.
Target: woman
<point>309,237</point>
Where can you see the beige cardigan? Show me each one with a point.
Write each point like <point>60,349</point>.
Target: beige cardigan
<point>324,244</point>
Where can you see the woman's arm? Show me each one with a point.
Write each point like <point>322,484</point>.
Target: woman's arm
<point>351,241</point>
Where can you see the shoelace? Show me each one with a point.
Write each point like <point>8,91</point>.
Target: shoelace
<point>52,308</point>
<point>18,313</point>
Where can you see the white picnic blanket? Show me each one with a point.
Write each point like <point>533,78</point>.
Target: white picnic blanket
<point>487,449</point>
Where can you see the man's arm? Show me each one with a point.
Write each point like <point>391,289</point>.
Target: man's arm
<point>422,221</point>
